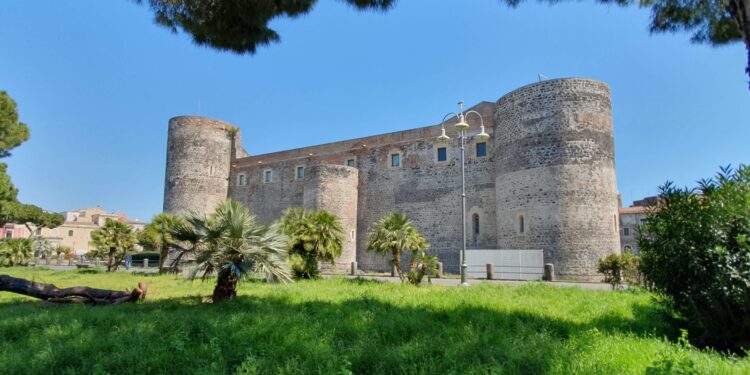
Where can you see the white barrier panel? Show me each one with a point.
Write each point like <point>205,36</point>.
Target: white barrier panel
<point>507,264</point>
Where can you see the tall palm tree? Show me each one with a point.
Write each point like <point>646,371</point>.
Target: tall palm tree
<point>394,234</point>
<point>115,238</point>
<point>157,235</point>
<point>231,243</point>
<point>313,236</point>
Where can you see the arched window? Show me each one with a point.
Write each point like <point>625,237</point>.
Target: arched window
<point>521,224</point>
<point>475,221</point>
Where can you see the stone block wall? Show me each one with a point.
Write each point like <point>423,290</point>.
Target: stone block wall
<point>555,173</point>
<point>199,153</point>
<point>333,188</point>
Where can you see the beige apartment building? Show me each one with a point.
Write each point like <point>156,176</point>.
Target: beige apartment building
<point>75,232</point>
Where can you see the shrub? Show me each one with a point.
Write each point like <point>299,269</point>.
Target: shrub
<point>696,254</point>
<point>619,268</point>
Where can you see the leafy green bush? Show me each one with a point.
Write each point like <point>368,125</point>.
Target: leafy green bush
<point>695,253</point>
<point>619,268</point>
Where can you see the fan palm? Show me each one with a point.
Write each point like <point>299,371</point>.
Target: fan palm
<point>157,235</point>
<point>394,234</point>
<point>313,236</point>
<point>15,251</point>
<point>230,243</point>
<point>115,238</point>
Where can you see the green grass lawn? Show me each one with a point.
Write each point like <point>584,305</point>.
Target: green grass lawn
<point>342,326</point>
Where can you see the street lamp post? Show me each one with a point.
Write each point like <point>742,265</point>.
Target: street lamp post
<point>462,127</point>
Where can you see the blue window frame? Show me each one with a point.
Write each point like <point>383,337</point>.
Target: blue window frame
<point>395,160</point>
<point>442,154</point>
<point>481,149</point>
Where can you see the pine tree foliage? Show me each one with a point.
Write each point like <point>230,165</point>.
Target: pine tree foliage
<point>12,132</point>
<point>242,26</point>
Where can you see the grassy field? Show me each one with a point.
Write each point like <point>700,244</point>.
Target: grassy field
<point>342,326</point>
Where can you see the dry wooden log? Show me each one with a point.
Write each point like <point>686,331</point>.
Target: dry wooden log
<point>76,294</point>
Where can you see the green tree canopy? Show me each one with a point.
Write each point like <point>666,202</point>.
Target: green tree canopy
<point>8,192</point>
<point>157,235</point>
<point>695,252</point>
<point>230,243</point>
<point>15,252</point>
<point>394,234</point>
<point>115,238</point>
<point>241,26</point>
<point>236,25</point>
<point>12,132</point>
<point>28,214</point>
<point>313,236</point>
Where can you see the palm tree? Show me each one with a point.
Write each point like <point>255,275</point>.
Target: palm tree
<point>313,236</point>
<point>393,234</point>
<point>114,238</point>
<point>231,243</point>
<point>157,235</point>
<point>15,251</point>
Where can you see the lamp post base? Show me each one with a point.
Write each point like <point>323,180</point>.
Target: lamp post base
<point>464,281</point>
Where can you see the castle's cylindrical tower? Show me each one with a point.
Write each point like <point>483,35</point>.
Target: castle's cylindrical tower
<point>334,188</point>
<point>199,154</point>
<point>555,174</point>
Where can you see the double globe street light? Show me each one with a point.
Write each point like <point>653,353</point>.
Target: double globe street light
<point>462,127</point>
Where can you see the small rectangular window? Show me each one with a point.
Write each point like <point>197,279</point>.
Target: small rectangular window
<point>395,160</point>
<point>350,163</point>
<point>70,233</point>
<point>8,235</point>
<point>625,231</point>
<point>267,176</point>
<point>442,154</point>
<point>300,173</point>
<point>241,180</point>
<point>481,149</point>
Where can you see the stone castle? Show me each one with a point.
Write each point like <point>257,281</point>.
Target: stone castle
<point>544,180</point>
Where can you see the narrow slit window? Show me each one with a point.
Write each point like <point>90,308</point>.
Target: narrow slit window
<point>241,180</point>
<point>521,224</point>
<point>442,154</point>
<point>475,221</point>
<point>395,160</point>
<point>481,149</point>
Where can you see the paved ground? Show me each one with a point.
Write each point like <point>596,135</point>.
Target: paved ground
<point>456,282</point>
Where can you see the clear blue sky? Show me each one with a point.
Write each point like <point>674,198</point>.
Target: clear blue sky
<point>97,82</point>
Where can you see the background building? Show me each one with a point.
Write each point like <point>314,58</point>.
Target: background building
<point>631,219</point>
<point>75,232</point>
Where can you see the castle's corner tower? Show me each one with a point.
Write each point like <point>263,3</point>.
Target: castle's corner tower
<point>555,174</point>
<point>334,188</point>
<point>199,156</point>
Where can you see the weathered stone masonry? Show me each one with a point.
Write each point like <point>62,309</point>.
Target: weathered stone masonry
<point>547,180</point>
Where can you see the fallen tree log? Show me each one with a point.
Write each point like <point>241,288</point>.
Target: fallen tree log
<point>76,294</point>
